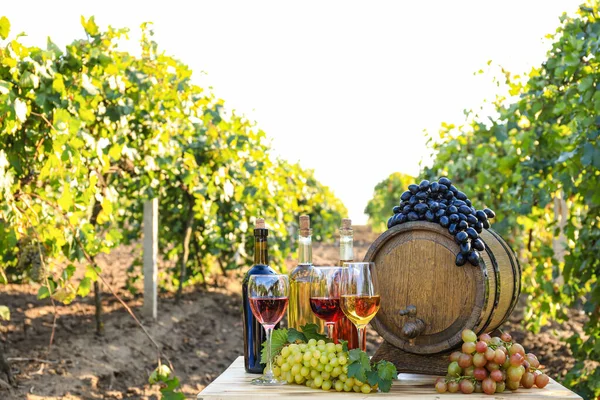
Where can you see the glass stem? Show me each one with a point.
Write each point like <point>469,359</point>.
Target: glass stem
<point>269,370</point>
<point>361,337</point>
<point>331,333</point>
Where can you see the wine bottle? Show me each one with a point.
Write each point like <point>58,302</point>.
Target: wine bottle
<point>344,328</point>
<point>299,312</point>
<point>254,334</point>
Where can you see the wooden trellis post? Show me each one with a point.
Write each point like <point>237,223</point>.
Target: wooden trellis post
<point>150,268</point>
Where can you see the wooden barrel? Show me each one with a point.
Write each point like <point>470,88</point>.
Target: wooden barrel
<point>415,267</point>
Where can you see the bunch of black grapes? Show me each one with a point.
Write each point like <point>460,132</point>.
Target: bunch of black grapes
<point>443,203</point>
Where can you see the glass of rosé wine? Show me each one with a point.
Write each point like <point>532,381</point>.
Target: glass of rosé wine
<point>325,297</point>
<point>360,297</point>
<point>268,296</point>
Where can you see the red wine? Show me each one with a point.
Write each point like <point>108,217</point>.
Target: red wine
<point>328,309</point>
<point>268,310</point>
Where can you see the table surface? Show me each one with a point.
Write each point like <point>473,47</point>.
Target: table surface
<point>234,384</point>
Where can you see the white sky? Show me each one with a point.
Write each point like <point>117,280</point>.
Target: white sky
<point>344,87</point>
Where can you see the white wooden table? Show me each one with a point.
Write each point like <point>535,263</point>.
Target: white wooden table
<point>234,384</point>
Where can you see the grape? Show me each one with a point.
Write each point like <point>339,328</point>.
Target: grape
<point>532,359</point>
<point>326,385</point>
<point>298,358</point>
<point>285,367</point>
<point>314,362</point>
<point>497,375</point>
<point>468,347</point>
<point>328,368</point>
<point>298,379</point>
<point>527,380</point>
<point>500,356</point>
<point>350,382</point>
<point>365,388</point>
<point>318,381</point>
<point>309,383</point>
<point>481,347</point>
<point>339,386</point>
<point>347,388</point>
<point>323,359</point>
<point>515,373</point>
<point>512,385</point>
<point>488,386</point>
<point>276,371</point>
<point>516,359</point>
<point>492,366</point>
<point>304,371</point>
<point>279,361</point>
<point>441,386</point>
<point>506,337</point>
<point>334,362</point>
<point>478,388</point>
<point>467,334</point>
<point>295,369</point>
<point>516,348</point>
<point>325,375</point>
<point>289,377</point>
<point>342,360</point>
<point>320,342</point>
<point>469,371</point>
<point>466,386</point>
<point>495,341</point>
<point>480,374</point>
<point>337,371</point>
<point>339,348</point>
<point>542,380</point>
<point>356,388</point>
<point>465,361</point>
<point>320,367</point>
<point>454,369</point>
<point>479,360</point>
<point>500,387</point>
<point>485,337</point>
<point>455,356</point>
<point>490,354</point>
<point>453,387</point>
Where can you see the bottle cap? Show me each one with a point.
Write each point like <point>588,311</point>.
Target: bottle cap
<point>304,222</point>
<point>346,223</point>
<point>260,223</point>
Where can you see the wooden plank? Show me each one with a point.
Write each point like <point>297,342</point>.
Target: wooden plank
<point>234,384</point>
<point>150,268</point>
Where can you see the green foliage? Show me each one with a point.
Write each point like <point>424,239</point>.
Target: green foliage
<point>385,197</point>
<point>89,132</point>
<point>542,147</point>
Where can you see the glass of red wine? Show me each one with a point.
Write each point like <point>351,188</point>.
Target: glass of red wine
<point>360,298</point>
<point>325,297</point>
<point>268,296</point>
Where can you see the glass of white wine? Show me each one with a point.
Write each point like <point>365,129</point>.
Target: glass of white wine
<point>360,299</point>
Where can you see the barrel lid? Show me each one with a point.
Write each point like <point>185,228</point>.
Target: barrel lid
<point>415,267</point>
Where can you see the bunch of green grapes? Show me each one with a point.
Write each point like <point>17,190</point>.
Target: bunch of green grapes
<point>317,364</point>
<point>32,260</point>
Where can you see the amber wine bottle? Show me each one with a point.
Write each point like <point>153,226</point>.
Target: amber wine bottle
<point>344,327</point>
<point>254,334</point>
<point>299,312</point>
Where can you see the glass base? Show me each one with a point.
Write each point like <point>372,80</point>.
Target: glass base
<point>267,381</point>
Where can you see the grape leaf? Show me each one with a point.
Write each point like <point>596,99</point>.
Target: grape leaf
<point>344,344</point>
<point>355,370</point>
<point>372,378</point>
<point>294,335</point>
<point>279,338</point>
<point>311,331</point>
<point>386,370</point>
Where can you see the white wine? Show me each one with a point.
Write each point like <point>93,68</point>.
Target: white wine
<point>299,311</point>
<point>360,309</point>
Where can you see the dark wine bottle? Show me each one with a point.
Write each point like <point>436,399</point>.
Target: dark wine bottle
<point>254,334</point>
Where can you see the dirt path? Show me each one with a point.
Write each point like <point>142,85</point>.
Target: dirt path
<point>201,337</point>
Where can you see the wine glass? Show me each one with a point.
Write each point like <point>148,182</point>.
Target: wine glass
<point>325,297</point>
<point>360,298</point>
<point>268,296</point>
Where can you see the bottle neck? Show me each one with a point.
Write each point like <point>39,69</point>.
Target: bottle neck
<point>305,249</point>
<point>346,245</point>
<point>261,253</point>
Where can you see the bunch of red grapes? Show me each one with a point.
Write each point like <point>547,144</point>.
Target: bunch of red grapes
<point>491,365</point>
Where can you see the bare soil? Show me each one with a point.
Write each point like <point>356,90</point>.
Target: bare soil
<point>200,336</point>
